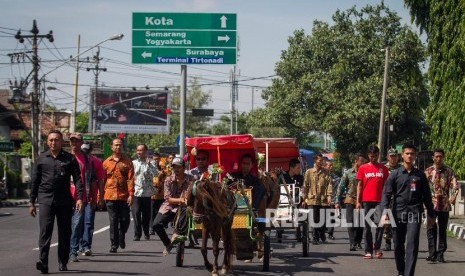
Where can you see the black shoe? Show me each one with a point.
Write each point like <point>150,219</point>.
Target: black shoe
<point>122,243</point>
<point>331,237</point>
<point>358,245</point>
<point>135,239</point>
<point>42,267</point>
<point>441,259</point>
<point>152,233</point>
<point>387,246</point>
<point>62,267</point>
<point>315,242</point>
<point>147,237</point>
<point>353,248</point>
<point>113,249</point>
<point>431,259</point>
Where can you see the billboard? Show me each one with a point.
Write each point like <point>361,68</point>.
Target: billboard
<point>129,111</point>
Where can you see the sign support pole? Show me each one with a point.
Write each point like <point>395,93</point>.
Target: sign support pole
<point>182,128</point>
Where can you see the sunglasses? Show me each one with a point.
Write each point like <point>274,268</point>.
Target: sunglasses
<point>201,159</point>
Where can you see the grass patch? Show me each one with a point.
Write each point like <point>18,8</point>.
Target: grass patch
<point>450,234</point>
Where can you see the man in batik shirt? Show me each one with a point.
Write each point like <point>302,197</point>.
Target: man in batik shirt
<point>444,191</point>
<point>347,197</point>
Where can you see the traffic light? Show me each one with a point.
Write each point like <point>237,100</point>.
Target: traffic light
<point>198,112</point>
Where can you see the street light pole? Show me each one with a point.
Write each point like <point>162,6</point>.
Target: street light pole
<point>383,106</point>
<point>96,69</point>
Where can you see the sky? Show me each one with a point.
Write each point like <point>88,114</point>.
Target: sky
<point>263,27</point>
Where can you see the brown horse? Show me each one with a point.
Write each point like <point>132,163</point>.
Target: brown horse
<point>213,205</point>
<point>272,192</point>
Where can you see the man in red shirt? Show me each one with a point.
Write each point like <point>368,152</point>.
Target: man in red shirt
<point>370,181</point>
<point>92,176</point>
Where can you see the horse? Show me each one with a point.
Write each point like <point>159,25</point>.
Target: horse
<point>270,200</point>
<point>213,205</point>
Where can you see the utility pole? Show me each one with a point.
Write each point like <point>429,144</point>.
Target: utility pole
<point>93,96</point>
<point>233,99</point>
<point>236,87</point>
<point>76,86</point>
<point>253,96</point>
<point>383,106</point>
<point>182,121</point>
<point>35,77</point>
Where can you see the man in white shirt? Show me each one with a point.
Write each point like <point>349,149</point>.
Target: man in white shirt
<point>144,172</point>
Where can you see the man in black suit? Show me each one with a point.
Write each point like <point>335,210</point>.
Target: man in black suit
<point>51,188</point>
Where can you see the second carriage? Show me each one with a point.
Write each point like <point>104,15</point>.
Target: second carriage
<point>252,234</point>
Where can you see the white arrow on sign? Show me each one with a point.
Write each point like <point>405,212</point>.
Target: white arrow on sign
<point>223,21</point>
<point>223,38</point>
<point>146,55</point>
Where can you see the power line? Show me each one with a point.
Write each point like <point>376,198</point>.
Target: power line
<point>11,29</point>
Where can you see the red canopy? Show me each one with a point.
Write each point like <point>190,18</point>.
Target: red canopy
<point>280,151</point>
<point>226,150</point>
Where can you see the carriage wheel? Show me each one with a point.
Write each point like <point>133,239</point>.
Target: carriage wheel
<point>266,251</point>
<point>180,254</point>
<point>305,239</point>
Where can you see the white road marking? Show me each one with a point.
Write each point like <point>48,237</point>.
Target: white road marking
<point>103,229</point>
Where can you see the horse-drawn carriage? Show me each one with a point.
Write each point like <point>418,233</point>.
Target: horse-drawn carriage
<point>277,153</point>
<point>221,206</point>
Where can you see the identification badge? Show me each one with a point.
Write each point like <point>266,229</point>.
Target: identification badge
<point>413,186</point>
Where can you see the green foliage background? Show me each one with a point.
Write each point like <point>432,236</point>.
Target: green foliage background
<point>331,81</point>
<point>444,24</point>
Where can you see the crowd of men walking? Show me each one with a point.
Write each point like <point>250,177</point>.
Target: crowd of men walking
<point>155,194</point>
<point>373,188</point>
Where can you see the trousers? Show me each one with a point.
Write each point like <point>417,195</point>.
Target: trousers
<point>406,237</point>
<point>437,247</point>
<point>155,205</point>
<point>141,210</point>
<point>47,214</point>
<point>163,219</point>
<point>118,212</point>
<point>367,206</point>
<point>355,231</point>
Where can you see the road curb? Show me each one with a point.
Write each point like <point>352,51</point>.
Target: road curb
<point>8,203</point>
<point>458,230</point>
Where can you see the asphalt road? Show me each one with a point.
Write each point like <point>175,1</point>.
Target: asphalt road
<point>18,250</point>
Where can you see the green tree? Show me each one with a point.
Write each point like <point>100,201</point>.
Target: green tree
<point>26,145</point>
<point>195,98</point>
<point>223,127</point>
<point>444,25</point>
<point>82,122</point>
<point>332,80</point>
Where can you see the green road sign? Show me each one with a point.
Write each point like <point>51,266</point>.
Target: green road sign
<point>7,146</point>
<point>184,38</point>
<point>157,38</point>
<point>183,21</point>
<point>184,55</point>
